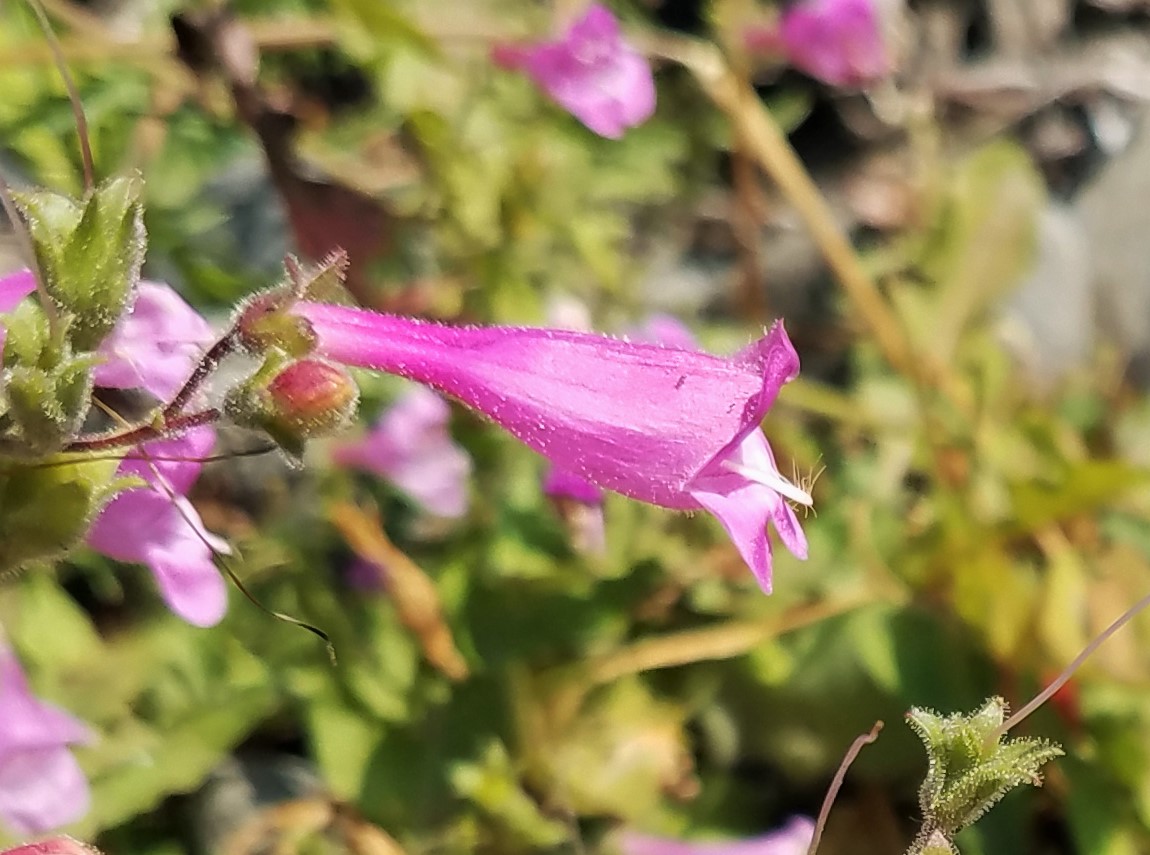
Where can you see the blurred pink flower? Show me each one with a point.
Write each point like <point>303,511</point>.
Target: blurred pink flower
<point>41,785</point>
<point>156,525</point>
<point>677,428</point>
<point>666,330</point>
<point>411,447</point>
<point>53,846</point>
<point>591,72</point>
<point>791,839</point>
<point>837,41</point>
<point>155,345</point>
<point>13,288</point>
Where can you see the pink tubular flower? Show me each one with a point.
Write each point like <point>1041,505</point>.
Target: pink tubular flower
<point>791,839</point>
<point>591,72</point>
<point>411,447</point>
<point>155,345</point>
<point>41,784</point>
<point>671,427</point>
<point>837,41</point>
<point>157,526</point>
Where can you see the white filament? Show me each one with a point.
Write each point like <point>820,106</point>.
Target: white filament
<point>772,479</point>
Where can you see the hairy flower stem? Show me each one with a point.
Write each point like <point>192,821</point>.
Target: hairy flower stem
<point>170,420</point>
<point>207,364</point>
<point>164,426</point>
<point>1063,678</point>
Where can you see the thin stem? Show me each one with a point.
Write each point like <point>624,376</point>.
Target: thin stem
<point>1064,678</point>
<point>722,641</point>
<point>765,142</point>
<point>207,364</point>
<point>837,782</point>
<point>145,433</point>
<point>73,93</point>
<point>746,217</point>
<point>159,458</point>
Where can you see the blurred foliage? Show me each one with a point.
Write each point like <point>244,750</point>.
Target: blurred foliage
<point>972,535</point>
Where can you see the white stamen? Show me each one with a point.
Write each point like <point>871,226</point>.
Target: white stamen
<point>773,480</point>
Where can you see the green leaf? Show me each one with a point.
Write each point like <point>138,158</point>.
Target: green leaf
<point>492,784</point>
<point>176,759</point>
<point>343,743</point>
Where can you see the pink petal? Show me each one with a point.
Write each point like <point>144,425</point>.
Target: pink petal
<point>26,722</point>
<point>837,41</point>
<point>791,839</point>
<point>176,460</point>
<point>13,288</point>
<point>165,533</point>
<point>156,526</point>
<point>155,345</point>
<point>594,74</point>
<point>41,785</point>
<point>42,790</point>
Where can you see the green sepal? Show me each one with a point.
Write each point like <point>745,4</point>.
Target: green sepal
<point>45,407</point>
<point>28,335</point>
<point>935,843</point>
<point>264,324</point>
<point>971,766</point>
<point>89,252</point>
<point>248,406</point>
<point>47,507</point>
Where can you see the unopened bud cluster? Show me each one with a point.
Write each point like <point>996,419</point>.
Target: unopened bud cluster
<point>295,396</point>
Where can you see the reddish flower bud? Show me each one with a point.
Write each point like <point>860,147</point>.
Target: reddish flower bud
<point>306,399</point>
<point>312,395</point>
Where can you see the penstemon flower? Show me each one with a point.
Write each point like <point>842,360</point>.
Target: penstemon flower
<point>793,838</point>
<point>671,427</point>
<point>41,784</point>
<point>591,72</point>
<point>410,446</point>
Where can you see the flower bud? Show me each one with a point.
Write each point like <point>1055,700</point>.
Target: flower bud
<point>306,399</point>
<point>313,395</point>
